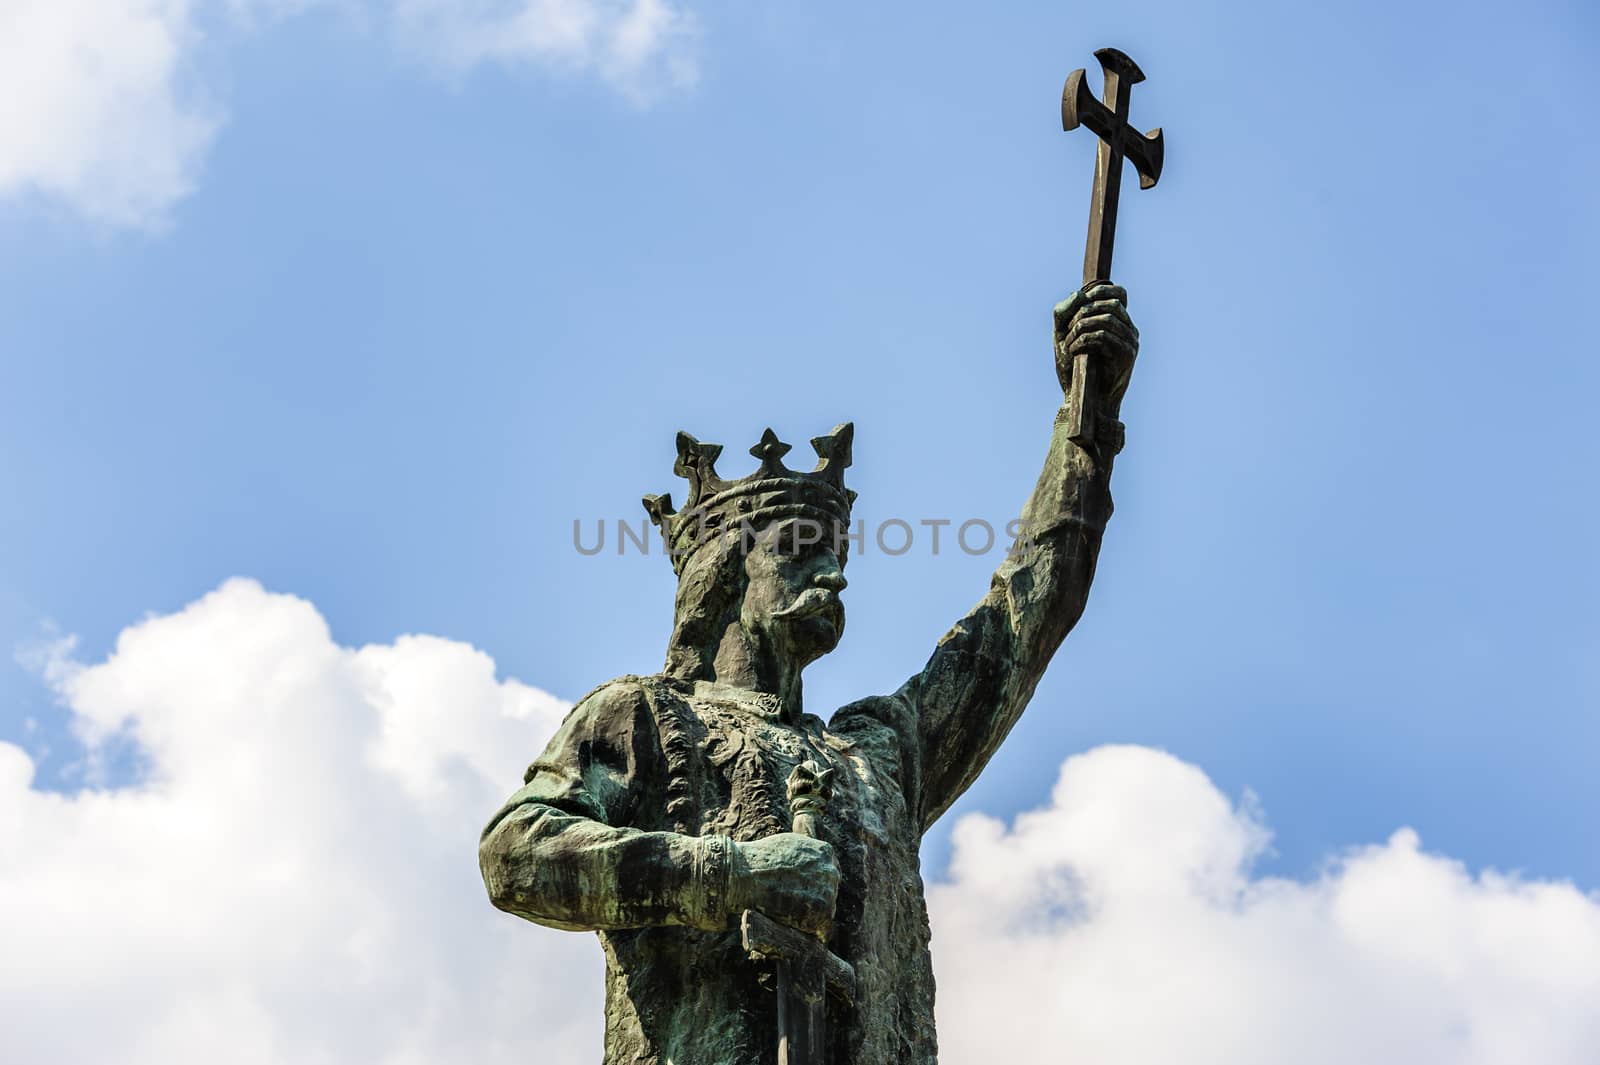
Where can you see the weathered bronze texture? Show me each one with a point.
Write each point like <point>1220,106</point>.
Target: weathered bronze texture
<point>753,870</point>
<point>1118,138</point>
<point>806,969</point>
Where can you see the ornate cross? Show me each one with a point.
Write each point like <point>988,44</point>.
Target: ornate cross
<point>1109,120</point>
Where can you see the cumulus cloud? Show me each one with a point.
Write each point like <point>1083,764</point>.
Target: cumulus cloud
<point>99,115</point>
<point>106,114</point>
<point>292,879</point>
<point>1121,925</point>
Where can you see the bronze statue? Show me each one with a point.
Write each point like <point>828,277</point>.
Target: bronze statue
<point>752,870</point>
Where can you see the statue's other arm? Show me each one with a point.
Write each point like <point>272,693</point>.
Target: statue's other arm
<point>560,852</point>
<point>984,670</point>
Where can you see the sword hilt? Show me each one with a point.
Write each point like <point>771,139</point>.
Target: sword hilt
<point>809,786</point>
<point>819,967</point>
<point>805,970</point>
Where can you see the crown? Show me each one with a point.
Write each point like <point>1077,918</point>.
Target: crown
<point>774,491</point>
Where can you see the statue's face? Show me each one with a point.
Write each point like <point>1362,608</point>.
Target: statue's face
<point>792,597</point>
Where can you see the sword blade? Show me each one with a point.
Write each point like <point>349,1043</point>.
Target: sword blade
<point>802,1019</point>
<point>786,1047</point>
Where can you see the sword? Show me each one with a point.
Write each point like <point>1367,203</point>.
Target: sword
<point>807,971</point>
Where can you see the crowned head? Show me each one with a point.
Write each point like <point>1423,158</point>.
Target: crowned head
<point>759,559</point>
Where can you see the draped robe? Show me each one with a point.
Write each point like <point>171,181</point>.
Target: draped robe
<point>625,824</point>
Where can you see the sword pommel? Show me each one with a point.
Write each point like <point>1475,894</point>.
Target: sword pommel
<point>809,787</point>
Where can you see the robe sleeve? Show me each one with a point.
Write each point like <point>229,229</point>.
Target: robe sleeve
<point>984,670</point>
<point>561,852</point>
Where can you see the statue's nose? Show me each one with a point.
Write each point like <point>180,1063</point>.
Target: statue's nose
<point>832,580</point>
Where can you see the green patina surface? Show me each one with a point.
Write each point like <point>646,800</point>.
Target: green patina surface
<point>664,808</point>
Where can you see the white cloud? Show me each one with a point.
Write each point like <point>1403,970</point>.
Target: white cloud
<point>294,882</point>
<point>105,114</point>
<point>639,47</point>
<point>97,114</point>
<point>1121,924</point>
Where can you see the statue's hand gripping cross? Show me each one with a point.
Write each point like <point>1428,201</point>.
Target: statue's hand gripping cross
<point>1118,140</point>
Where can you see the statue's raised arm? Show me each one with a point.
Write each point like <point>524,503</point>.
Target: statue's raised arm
<point>659,814</point>
<point>983,672</point>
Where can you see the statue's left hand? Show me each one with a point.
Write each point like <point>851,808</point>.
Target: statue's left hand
<point>1095,321</point>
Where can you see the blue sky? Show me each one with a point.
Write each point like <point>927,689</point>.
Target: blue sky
<point>417,312</point>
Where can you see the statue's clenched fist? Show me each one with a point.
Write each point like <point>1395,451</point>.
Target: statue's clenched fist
<point>1095,322</point>
<point>789,877</point>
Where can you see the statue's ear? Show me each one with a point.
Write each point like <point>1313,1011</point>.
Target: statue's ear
<point>825,781</point>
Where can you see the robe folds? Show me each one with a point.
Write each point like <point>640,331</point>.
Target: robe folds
<point>626,823</point>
